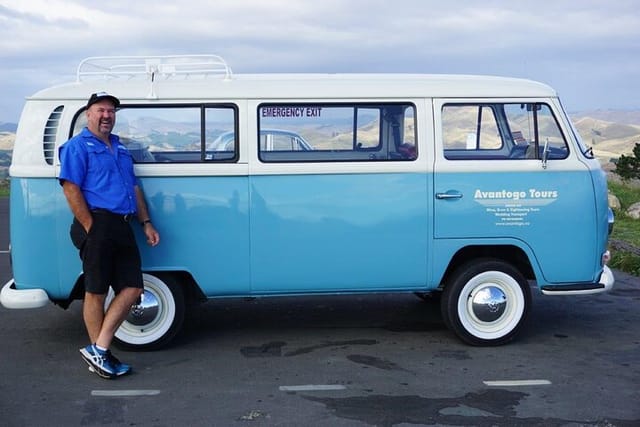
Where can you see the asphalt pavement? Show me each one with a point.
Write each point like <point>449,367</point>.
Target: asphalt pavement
<point>374,360</point>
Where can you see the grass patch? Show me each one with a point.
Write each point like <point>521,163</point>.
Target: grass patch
<point>625,261</point>
<point>4,187</point>
<point>625,239</point>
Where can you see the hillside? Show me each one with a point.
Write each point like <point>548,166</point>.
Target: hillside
<point>609,139</point>
<point>6,147</point>
<point>8,127</point>
<point>627,117</point>
<point>6,140</point>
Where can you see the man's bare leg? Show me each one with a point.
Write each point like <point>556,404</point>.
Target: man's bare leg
<point>93,314</point>
<point>115,315</point>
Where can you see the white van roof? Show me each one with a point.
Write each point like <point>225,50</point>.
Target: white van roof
<point>208,77</point>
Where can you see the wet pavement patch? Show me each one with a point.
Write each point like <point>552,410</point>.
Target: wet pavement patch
<point>453,354</point>
<point>271,349</point>
<point>346,343</point>
<point>487,408</point>
<point>274,349</point>
<point>374,362</point>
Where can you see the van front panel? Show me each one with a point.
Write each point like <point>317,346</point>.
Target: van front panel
<point>509,170</point>
<point>550,212</point>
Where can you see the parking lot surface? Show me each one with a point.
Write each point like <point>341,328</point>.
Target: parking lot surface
<point>374,360</point>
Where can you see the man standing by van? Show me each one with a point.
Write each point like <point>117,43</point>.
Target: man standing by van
<point>99,184</point>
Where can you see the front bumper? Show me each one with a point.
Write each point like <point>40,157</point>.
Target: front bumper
<point>604,284</point>
<point>10,297</point>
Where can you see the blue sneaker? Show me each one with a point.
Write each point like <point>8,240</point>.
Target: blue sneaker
<point>98,361</point>
<point>121,368</point>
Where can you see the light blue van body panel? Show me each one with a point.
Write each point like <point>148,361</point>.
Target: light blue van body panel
<point>287,235</point>
<point>36,245</point>
<point>339,233</point>
<point>204,230</point>
<point>553,211</point>
<point>204,227</point>
<point>293,234</point>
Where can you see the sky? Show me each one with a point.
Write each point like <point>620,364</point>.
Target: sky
<point>588,50</point>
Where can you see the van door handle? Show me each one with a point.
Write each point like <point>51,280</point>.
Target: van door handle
<point>449,195</point>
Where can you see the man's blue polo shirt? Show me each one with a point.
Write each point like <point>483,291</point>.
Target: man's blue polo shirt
<point>105,176</point>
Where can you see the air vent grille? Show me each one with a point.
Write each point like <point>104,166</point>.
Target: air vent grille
<point>50,131</point>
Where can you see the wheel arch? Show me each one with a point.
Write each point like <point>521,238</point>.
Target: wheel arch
<point>192,291</point>
<point>511,254</point>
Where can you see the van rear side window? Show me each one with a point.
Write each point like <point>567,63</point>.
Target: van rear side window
<point>501,132</point>
<point>175,134</point>
<point>336,132</point>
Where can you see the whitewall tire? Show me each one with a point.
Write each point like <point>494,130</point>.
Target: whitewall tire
<point>157,318</point>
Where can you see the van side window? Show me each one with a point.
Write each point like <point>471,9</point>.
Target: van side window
<point>336,132</point>
<point>501,132</point>
<point>176,134</point>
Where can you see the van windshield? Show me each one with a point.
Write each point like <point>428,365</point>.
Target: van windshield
<point>584,148</point>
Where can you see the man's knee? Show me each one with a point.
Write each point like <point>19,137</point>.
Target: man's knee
<point>92,298</point>
<point>132,294</point>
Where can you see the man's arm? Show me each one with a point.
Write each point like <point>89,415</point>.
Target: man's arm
<point>153,237</point>
<point>78,204</point>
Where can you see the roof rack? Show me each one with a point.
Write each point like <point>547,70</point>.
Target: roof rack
<point>152,67</point>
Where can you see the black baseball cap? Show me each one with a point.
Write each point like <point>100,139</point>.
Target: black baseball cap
<point>99,96</point>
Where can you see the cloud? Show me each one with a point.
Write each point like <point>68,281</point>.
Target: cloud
<point>24,31</point>
<point>574,43</point>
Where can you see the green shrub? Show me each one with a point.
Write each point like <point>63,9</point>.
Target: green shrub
<point>625,238</point>
<point>628,167</point>
<point>625,261</point>
<point>4,187</point>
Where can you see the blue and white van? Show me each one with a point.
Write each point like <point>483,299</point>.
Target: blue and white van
<point>478,188</point>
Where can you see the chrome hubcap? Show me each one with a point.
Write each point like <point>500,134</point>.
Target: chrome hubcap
<point>488,303</point>
<point>145,312</point>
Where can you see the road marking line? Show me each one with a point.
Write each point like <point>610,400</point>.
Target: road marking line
<point>126,393</point>
<point>312,387</point>
<point>516,383</point>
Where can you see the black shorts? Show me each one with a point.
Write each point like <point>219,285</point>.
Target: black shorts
<point>109,253</point>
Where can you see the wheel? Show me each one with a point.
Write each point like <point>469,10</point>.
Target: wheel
<point>157,319</point>
<point>485,302</point>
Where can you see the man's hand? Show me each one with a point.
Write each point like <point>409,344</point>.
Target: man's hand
<point>77,204</point>
<point>153,237</point>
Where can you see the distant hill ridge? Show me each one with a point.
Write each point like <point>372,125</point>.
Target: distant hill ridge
<point>609,135</point>
<point>6,140</point>
<point>8,127</point>
<point>628,117</point>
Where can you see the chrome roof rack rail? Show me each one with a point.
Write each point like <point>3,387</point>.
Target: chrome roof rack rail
<point>153,67</point>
